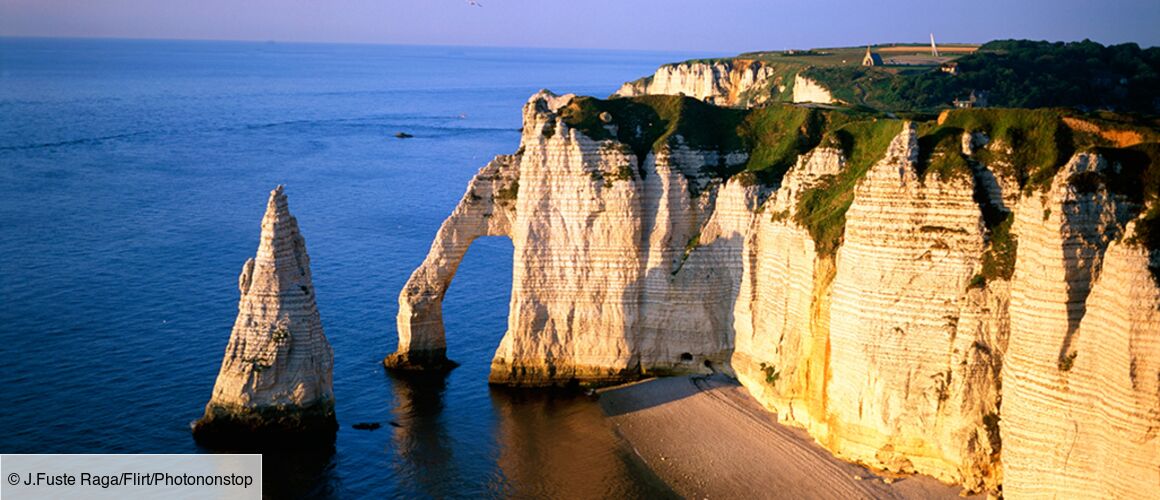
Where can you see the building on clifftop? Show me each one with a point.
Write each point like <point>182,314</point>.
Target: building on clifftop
<point>871,58</point>
<point>977,99</point>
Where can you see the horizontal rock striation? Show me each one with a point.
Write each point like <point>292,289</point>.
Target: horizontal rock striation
<point>486,209</point>
<point>914,295</point>
<point>275,384</point>
<point>1081,402</point>
<point>617,266</point>
<point>733,82</point>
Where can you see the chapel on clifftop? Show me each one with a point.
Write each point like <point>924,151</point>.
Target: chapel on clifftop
<point>871,58</point>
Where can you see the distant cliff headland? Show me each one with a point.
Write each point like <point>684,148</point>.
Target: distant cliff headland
<point>972,294</point>
<point>907,78</point>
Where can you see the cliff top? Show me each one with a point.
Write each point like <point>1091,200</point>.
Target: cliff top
<point>1003,73</point>
<point>899,54</point>
<point>1030,146</point>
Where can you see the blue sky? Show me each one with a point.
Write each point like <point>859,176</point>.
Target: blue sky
<point>715,26</point>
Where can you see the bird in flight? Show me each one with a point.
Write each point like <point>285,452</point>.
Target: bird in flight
<point>474,3</point>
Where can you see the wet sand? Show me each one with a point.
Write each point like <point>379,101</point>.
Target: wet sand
<point>706,437</point>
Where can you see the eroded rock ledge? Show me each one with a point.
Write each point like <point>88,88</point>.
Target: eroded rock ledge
<point>275,385</point>
<point>972,298</point>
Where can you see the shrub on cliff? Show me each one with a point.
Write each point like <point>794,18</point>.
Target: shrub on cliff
<point>772,136</point>
<point>822,209</point>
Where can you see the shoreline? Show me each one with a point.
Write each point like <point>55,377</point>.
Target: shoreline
<point>706,437</point>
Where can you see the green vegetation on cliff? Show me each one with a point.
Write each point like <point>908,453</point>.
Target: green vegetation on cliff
<point>646,123</point>
<point>1006,73</point>
<point>775,136</point>
<point>772,137</point>
<point>1012,73</point>
<point>1026,147</point>
<point>822,208</point>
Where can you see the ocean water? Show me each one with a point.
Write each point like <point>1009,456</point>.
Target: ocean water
<point>133,177</point>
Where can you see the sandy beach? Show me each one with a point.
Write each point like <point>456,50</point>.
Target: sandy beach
<point>706,437</point>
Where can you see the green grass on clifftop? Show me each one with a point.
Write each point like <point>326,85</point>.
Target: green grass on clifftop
<point>1012,73</point>
<point>772,136</point>
<point>822,209</point>
<point>646,123</point>
<point>1026,147</point>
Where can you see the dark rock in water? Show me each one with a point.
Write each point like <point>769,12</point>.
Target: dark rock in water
<point>266,428</point>
<point>367,426</point>
<point>403,135</point>
<point>434,360</point>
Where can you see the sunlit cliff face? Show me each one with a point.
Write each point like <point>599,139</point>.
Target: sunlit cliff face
<point>945,298</point>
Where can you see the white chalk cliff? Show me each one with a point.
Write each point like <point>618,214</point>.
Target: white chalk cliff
<point>734,82</point>
<point>618,269</point>
<point>278,367</point>
<point>890,349</point>
<point>807,90</point>
<point>729,82</point>
<point>1081,380</point>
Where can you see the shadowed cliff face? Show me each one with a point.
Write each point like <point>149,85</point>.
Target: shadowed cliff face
<point>912,294</point>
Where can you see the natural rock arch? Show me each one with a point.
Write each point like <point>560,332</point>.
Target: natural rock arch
<point>621,263</point>
<point>486,209</point>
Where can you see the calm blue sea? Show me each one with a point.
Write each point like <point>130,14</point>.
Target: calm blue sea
<point>133,177</point>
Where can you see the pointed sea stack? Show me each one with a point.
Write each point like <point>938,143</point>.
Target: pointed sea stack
<point>276,381</point>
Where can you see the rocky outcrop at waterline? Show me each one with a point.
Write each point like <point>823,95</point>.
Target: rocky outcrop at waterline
<point>275,384</point>
<point>972,298</point>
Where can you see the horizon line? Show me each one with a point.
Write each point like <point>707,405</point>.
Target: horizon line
<point>489,46</point>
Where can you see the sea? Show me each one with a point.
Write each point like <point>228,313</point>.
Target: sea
<point>133,179</point>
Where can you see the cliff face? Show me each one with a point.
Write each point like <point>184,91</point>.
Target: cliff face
<point>1080,382</point>
<point>278,367</point>
<point>734,82</point>
<point>618,269</point>
<point>612,242</point>
<point>882,351</point>
<point>486,209</point>
<point>806,90</point>
<point>906,292</point>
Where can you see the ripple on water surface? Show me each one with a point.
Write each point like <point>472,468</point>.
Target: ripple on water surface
<point>133,178</point>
